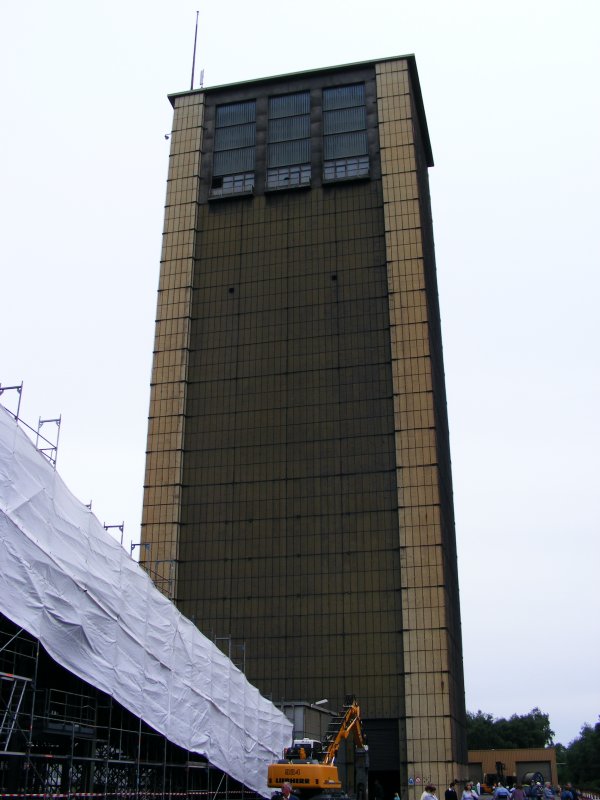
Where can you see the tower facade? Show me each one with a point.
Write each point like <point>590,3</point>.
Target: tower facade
<point>298,494</point>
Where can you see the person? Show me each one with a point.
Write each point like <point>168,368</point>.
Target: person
<point>519,793</point>
<point>566,793</point>
<point>573,791</point>
<point>287,792</point>
<point>500,792</point>
<point>396,796</point>
<point>469,793</point>
<point>548,791</point>
<point>450,793</point>
<point>429,793</point>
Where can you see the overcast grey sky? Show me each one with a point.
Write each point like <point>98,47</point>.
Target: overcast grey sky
<point>511,97</point>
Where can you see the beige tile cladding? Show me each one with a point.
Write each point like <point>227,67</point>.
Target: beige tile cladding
<point>162,484</point>
<point>429,739</point>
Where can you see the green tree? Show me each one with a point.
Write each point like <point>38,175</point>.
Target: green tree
<point>484,732</point>
<point>561,764</point>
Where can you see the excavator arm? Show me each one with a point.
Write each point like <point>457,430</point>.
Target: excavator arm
<point>348,722</point>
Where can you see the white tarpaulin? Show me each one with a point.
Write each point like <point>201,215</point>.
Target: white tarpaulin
<point>72,586</point>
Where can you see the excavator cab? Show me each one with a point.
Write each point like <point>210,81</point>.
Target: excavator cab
<point>304,750</point>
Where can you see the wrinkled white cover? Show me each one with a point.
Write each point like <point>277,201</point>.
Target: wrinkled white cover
<point>71,585</point>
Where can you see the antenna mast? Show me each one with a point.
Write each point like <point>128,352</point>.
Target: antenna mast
<point>194,56</point>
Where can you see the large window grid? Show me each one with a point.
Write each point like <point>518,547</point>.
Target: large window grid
<point>234,150</point>
<point>345,143</point>
<point>288,149</point>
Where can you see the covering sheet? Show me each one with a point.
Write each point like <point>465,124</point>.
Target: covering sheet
<point>71,585</point>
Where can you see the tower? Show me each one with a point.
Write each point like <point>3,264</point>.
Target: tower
<point>298,494</point>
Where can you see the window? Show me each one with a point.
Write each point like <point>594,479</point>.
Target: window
<point>345,144</point>
<point>234,149</point>
<point>288,144</point>
<point>340,168</point>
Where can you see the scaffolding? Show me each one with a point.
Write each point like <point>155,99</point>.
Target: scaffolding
<point>63,738</point>
<point>47,447</point>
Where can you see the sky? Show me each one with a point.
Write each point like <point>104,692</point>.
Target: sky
<point>512,103</point>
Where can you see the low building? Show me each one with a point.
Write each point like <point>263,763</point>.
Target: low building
<point>517,765</point>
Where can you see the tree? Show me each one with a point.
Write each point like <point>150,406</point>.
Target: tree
<point>561,763</point>
<point>583,758</point>
<point>484,732</point>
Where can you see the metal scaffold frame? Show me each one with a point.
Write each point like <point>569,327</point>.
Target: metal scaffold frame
<point>62,738</point>
<point>47,447</point>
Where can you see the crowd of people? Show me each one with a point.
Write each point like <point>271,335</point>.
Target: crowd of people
<point>533,791</point>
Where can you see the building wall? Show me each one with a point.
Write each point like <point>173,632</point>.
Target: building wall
<point>431,628</point>
<point>289,537</point>
<point>161,520</point>
<point>298,490</point>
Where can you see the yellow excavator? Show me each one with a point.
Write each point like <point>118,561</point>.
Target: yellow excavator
<point>308,766</point>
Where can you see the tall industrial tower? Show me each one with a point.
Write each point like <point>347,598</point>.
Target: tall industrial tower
<point>298,493</point>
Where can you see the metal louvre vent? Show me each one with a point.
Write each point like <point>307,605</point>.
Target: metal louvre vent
<point>289,141</point>
<point>235,136</point>
<point>283,130</point>
<point>288,153</point>
<point>345,141</point>
<point>289,105</point>
<point>344,97</point>
<point>234,149</point>
<point>231,161</point>
<point>345,119</point>
<point>236,113</point>
<point>342,145</point>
